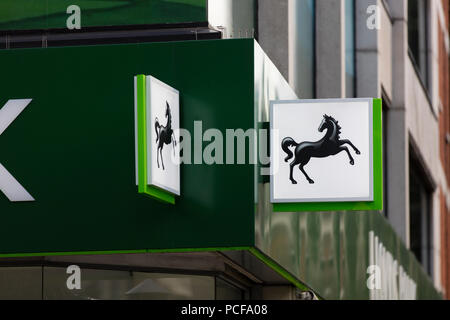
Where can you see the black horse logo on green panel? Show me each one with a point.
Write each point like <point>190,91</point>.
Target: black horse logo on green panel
<point>164,135</point>
<point>330,145</point>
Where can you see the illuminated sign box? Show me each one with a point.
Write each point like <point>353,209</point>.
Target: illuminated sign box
<point>157,123</point>
<point>326,155</point>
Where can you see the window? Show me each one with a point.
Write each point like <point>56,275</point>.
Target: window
<point>417,37</point>
<point>350,48</point>
<point>420,215</point>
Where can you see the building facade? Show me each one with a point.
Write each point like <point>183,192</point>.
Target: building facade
<point>222,239</point>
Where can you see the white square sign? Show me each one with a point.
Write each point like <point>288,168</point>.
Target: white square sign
<point>163,136</point>
<point>322,151</point>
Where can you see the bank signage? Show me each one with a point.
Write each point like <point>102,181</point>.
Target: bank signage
<point>326,152</point>
<point>78,158</point>
<point>157,123</point>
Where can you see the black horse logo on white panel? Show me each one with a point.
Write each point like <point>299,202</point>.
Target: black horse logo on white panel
<point>330,145</point>
<point>164,135</point>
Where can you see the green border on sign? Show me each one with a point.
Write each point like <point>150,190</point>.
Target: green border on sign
<point>377,204</point>
<point>143,186</point>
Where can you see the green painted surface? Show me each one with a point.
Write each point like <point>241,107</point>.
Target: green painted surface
<point>45,14</point>
<point>141,133</point>
<point>73,148</point>
<point>377,204</point>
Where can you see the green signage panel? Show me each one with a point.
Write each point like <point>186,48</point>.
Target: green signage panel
<point>72,148</point>
<point>47,14</point>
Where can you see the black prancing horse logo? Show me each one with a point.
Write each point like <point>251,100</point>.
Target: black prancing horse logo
<point>330,145</point>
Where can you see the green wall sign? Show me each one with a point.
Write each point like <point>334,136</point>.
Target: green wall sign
<point>73,148</point>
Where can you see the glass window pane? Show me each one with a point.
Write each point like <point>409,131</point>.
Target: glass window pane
<point>226,291</point>
<point>126,285</point>
<point>418,36</point>
<point>20,283</point>
<point>420,217</point>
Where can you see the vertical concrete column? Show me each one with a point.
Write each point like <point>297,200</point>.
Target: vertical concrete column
<point>398,139</point>
<point>367,55</point>
<point>273,32</point>
<point>398,173</point>
<point>302,47</point>
<point>330,48</point>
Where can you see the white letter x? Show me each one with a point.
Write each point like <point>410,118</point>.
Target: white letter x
<point>8,184</point>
